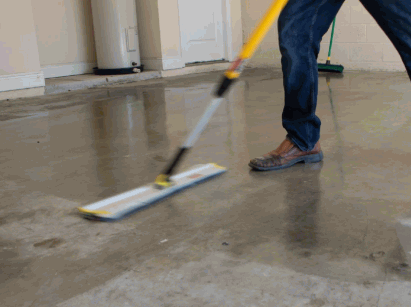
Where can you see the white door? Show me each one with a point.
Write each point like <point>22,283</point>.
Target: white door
<point>201,26</point>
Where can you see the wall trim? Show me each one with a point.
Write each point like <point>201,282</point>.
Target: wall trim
<point>63,70</point>
<point>195,69</point>
<point>228,31</point>
<point>173,63</point>
<point>21,81</point>
<point>152,64</point>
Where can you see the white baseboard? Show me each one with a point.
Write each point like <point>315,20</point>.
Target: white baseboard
<point>162,64</point>
<point>152,64</point>
<point>63,70</point>
<point>195,69</point>
<point>173,63</point>
<point>21,81</point>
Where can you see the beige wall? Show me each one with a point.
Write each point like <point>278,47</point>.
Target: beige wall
<point>268,54</point>
<point>18,44</point>
<point>359,44</point>
<point>159,31</point>
<point>19,57</point>
<point>149,33</point>
<point>64,31</point>
<point>236,28</point>
<point>170,28</point>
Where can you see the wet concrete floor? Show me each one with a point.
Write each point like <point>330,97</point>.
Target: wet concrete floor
<point>325,234</point>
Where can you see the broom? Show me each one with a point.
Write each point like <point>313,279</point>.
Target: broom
<point>327,67</point>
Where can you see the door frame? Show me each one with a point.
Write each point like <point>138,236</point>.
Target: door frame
<point>227,30</point>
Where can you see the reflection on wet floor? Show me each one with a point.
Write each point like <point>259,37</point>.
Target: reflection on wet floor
<point>114,124</point>
<point>302,212</point>
<point>336,219</point>
<point>334,114</point>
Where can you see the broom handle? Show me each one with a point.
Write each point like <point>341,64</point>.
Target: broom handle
<point>331,43</point>
<point>230,75</point>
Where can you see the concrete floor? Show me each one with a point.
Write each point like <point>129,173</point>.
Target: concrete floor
<point>326,234</point>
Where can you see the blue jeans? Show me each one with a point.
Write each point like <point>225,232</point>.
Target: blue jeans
<point>301,27</point>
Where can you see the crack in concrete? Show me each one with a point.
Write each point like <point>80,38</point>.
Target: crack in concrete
<point>366,230</point>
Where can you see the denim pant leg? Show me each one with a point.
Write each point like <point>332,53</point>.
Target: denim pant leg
<point>394,18</point>
<point>301,27</point>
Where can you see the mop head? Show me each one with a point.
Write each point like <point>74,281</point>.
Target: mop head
<point>117,207</point>
<point>330,68</point>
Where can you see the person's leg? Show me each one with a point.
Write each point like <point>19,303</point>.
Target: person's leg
<point>301,26</point>
<point>394,18</point>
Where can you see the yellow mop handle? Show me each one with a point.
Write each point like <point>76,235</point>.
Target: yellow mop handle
<point>256,37</point>
<point>233,72</point>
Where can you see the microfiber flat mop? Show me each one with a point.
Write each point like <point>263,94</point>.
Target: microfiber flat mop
<point>166,184</point>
